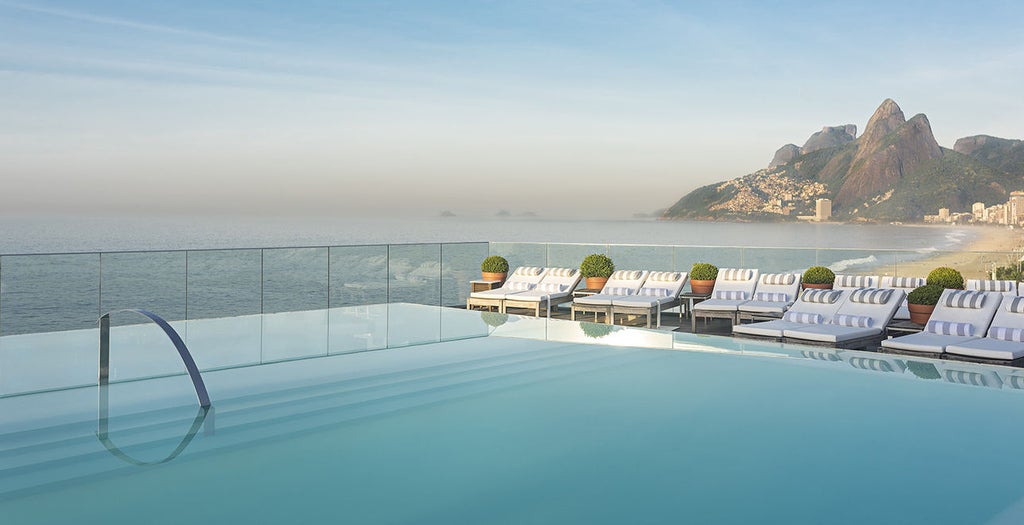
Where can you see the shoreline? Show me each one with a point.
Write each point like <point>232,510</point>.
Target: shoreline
<point>990,247</point>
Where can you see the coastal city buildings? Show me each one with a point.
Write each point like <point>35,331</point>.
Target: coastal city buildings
<point>822,209</point>
<point>1009,213</point>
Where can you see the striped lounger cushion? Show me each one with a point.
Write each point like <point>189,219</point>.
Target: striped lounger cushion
<point>1016,305</point>
<point>853,321</point>
<point>655,292</point>
<point>528,270</point>
<point>820,296</point>
<point>552,287</point>
<point>519,286</point>
<point>1006,333</point>
<point>664,276</point>
<point>772,297</point>
<point>995,286</point>
<point>907,282</point>
<point>804,317</point>
<point>731,295</point>
<point>950,328</point>
<point>851,281</point>
<point>784,279</point>
<point>871,296</point>
<point>735,274</point>
<point>625,275</point>
<point>617,290</point>
<point>562,272</point>
<point>965,299</point>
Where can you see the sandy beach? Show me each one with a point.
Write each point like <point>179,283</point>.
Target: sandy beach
<point>990,247</point>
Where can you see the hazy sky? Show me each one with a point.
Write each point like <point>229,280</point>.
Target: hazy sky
<point>582,108</point>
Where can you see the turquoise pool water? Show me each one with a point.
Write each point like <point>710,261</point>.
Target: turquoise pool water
<point>532,425</point>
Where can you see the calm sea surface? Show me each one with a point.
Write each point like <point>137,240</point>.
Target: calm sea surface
<point>72,234</point>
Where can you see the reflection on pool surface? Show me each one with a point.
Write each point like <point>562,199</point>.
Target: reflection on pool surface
<point>513,420</point>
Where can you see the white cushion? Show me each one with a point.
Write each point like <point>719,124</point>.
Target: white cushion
<point>988,348</point>
<point>924,342</point>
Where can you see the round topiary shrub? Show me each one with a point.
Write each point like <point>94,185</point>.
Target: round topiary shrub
<point>927,295</point>
<point>494,264</point>
<point>818,275</point>
<point>946,277</point>
<point>597,265</point>
<point>704,272</point>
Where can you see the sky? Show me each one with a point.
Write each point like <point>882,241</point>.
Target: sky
<point>561,108</point>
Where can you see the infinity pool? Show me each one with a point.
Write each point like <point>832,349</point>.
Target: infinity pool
<point>532,422</point>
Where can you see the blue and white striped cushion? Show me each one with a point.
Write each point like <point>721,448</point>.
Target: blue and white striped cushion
<point>871,295</point>
<point>532,271</point>
<point>664,276</point>
<point>772,297</point>
<point>778,278</point>
<point>965,299</point>
<point>625,275</point>
<point>821,356</point>
<point>1006,333</point>
<point>655,292</point>
<point>820,296</point>
<point>731,295</point>
<point>995,286</point>
<point>617,290</point>
<point>866,363</point>
<point>552,287</point>
<point>519,286</point>
<point>966,378</point>
<point>855,321</point>
<point>735,274</point>
<point>949,328</point>
<point>562,272</point>
<point>852,281</point>
<point>1016,305</point>
<point>803,317</point>
<point>907,282</point>
<point>1017,382</point>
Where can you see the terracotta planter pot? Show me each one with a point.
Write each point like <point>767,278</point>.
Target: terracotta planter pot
<point>824,286</point>
<point>920,313</point>
<point>596,283</point>
<point>494,276</point>
<point>702,286</point>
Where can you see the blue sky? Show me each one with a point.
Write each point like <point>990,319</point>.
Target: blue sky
<point>580,108</point>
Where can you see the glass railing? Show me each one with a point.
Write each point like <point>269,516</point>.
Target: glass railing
<point>62,292</point>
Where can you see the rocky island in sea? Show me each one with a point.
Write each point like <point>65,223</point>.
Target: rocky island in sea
<point>894,171</point>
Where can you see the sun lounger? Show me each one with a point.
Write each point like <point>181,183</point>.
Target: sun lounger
<point>555,288</point>
<point>660,291</point>
<point>622,283</point>
<point>1003,287</point>
<point>1005,338</point>
<point>732,287</point>
<point>960,316</point>
<point>522,279</point>
<point>774,294</point>
<point>853,282</point>
<point>907,284</point>
<point>858,323</point>
<point>813,307</point>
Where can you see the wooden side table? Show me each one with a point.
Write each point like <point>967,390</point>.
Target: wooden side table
<point>483,286</point>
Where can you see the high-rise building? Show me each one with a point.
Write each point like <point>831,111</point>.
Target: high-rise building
<point>943,214</point>
<point>978,210</point>
<point>822,209</point>
<point>1015,208</point>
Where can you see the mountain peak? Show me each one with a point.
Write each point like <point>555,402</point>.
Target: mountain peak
<point>885,120</point>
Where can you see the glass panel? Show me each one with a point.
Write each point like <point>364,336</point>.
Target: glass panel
<point>461,324</point>
<point>571,255</point>
<point>140,349</point>
<point>226,341</point>
<point>359,275</point>
<point>48,293</point>
<point>358,328</point>
<point>521,253</point>
<point>460,264</point>
<point>779,260</point>
<point>652,258</point>
<point>224,283</point>
<point>293,335</point>
<point>414,274</point>
<point>153,281</point>
<point>294,279</point>
<point>27,363</point>
<point>413,324</point>
<point>916,263</point>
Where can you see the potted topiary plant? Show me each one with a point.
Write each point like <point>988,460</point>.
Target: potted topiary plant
<point>946,277</point>
<point>702,277</point>
<point>494,268</point>
<point>596,268</point>
<point>921,302</point>
<point>819,277</point>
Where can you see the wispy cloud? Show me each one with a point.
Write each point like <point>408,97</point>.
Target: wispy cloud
<point>126,23</point>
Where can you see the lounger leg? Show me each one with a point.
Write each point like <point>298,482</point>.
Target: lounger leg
<point>572,313</point>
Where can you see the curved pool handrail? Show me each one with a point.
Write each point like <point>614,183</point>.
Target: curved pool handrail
<point>179,345</point>
<point>104,436</point>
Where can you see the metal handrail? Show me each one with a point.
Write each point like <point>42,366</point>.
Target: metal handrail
<point>179,345</point>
